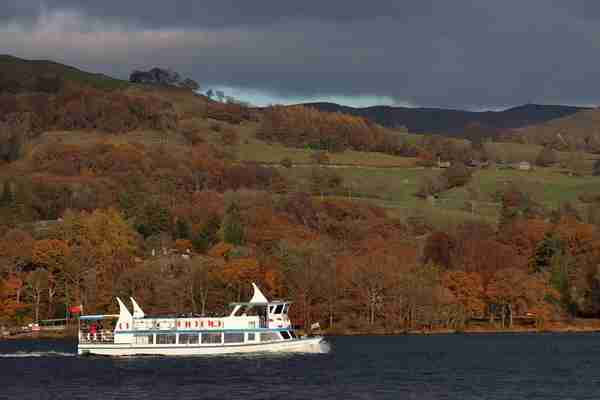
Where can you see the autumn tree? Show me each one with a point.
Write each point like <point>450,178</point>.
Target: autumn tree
<point>596,168</point>
<point>458,174</point>
<point>438,249</point>
<point>546,157</point>
<point>233,228</point>
<point>324,180</point>
<point>518,202</point>
<point>320,157</point>
<point>37,283</point>
<point>51,256</point>
<point>102,242</point>
<point>16,248</point>
<point>7,198</point>
<point>302,267</point>
<point>182,229</point>
<point>229,137</point>
<point>155,219</point>
<point>208,235</point>
<point>420,300</point>
<point>370,279</point>
<point>238,271</point>
<point>12,306</point>
<point>467,287</point>
<point>286,162</point>
<point>548,248</point>
<point>203,278</point>
<point>431,186</point>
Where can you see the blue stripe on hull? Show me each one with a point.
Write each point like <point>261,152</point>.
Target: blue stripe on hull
<point>257,330</point>
<point>179,346</point>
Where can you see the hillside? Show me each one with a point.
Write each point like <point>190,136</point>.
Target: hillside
<point>578,131</point>
<point>163,194</point>
<point>457,123</point>
<point>18,75</point>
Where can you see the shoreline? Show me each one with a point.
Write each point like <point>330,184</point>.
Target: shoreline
<point>463,332</point>
<point>587,326</point>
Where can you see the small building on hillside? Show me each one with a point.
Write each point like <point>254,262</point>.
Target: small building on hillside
<point>443,164</point>
<point>524,166</point>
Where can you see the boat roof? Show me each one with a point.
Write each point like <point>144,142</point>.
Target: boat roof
<point>98,317</point>
<point>250,303</point>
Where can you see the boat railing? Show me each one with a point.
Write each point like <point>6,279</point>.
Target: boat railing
<point>262,323</point>
<point>99,337</point>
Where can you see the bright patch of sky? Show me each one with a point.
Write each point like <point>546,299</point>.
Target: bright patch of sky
<point>262,99</point>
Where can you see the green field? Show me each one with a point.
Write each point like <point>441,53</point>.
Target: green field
<point>392,182</point>
<point>395,188</point>
<point>252,149</point>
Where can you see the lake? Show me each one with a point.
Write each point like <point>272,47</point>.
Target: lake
<point>501,366</point>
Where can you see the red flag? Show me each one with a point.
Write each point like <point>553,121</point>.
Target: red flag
<point>76,309</point>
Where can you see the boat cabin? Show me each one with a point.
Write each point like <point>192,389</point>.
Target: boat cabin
<point>253,322</point>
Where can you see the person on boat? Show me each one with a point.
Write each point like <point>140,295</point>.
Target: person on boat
<point>93,331</point>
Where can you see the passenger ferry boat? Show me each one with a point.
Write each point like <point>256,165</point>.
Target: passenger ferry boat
<point>259,325</point>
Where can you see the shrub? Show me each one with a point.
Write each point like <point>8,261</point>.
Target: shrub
<point>432,185</point>
<point>457,175</point>
<point>229,137</point>
<point>596,168</point>
<point>427,163</point>
<point>299,126</point>
<point>286,162</point>
<point>320,157</point>
<point>547,157</point>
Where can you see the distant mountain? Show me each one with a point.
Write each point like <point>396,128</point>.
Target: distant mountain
<point>455,122</point>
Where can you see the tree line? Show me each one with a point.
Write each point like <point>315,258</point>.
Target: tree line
<point>346,265</point>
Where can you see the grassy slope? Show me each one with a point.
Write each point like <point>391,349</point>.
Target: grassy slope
<point>393,181</point>
<point>379,178</point>
<point>252,149</point>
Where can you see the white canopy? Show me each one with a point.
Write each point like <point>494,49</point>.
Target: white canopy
<point>258,297</point>
<point>137,310</point>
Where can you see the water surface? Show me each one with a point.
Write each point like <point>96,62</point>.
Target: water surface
<point>491,367</point>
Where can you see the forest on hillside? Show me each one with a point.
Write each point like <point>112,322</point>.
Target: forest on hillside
<point>186,226</point>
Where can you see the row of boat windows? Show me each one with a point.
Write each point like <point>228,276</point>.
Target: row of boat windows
<point>212,338</point>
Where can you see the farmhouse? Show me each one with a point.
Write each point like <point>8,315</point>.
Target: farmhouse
<point>524,166</point>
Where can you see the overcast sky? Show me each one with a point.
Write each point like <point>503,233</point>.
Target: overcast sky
<point>474,54</point>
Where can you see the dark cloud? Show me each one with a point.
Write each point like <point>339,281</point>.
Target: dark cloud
<point>460,53</point>
<point>222,13</point>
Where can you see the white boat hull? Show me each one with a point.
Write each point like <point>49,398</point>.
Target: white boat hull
<point>303,345</point>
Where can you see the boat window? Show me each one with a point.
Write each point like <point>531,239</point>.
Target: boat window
<point>269,336</point>
<point>144,339</point>
<point>293,334</point>
<point>240,311</point>
<point>285,335</point>
<point>165,338</point>
<point>279,309</point>
<point>211,338</point>
<point>286,308</point>
<point>251,337</point>
<point>188,338</point>
<point>271,308</point>
<point>234,337</point>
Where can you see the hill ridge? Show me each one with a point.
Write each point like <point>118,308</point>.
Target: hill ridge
<point>455,122</point>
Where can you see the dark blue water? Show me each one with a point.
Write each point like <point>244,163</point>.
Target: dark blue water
<point>511,367</point>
